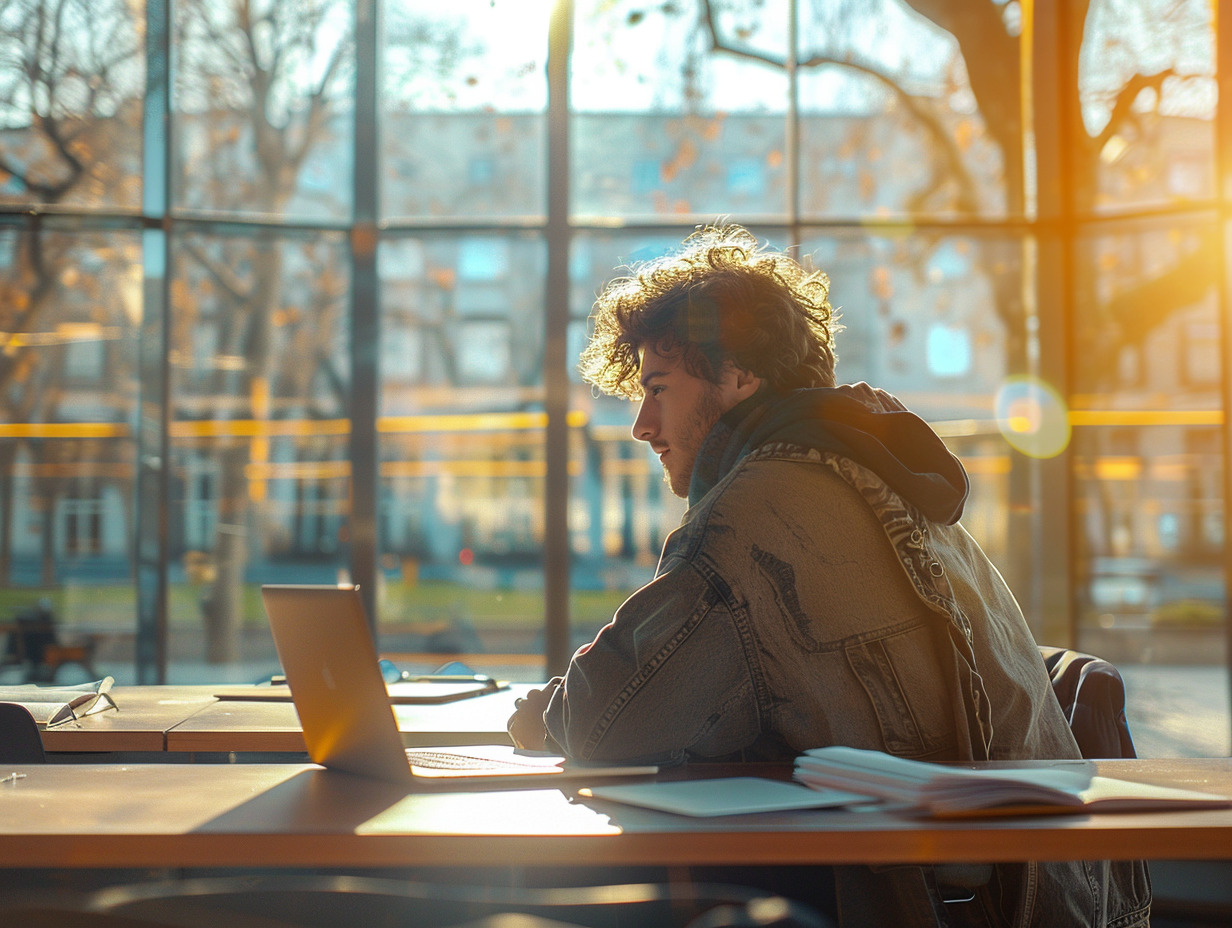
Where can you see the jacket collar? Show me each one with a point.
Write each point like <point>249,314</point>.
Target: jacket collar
<point>856,421</point>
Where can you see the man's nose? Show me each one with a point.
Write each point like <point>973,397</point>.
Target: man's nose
<point>644,426</point>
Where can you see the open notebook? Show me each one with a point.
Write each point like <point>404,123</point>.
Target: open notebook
<point>55,705</point>
<point>948,791</point>
<point>330,662</point>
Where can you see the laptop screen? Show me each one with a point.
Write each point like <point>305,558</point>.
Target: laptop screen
<point>330,661</point>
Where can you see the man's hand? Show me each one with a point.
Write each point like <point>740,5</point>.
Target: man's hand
<point>526,726</point>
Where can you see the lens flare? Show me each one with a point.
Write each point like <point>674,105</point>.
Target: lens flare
<point>1032,417</point>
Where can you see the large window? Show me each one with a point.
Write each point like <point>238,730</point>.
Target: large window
<point>296,294</point>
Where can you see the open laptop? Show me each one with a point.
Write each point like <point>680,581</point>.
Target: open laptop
<point>331,666</point>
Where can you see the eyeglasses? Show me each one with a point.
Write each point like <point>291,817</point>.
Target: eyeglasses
<point>80,706</point>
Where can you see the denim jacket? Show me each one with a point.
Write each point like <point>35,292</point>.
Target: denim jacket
<point>803,602</point>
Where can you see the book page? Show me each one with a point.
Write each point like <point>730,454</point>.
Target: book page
<point>942,790</point>
<point>55,705</point>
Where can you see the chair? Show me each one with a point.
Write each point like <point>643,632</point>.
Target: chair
<point>20,741</point>
<point>1092,696</point>
<point>40,648</point>
<point>321,900</point>
<point>13,654</point>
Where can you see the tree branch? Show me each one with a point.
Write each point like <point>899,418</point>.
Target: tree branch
<point>944,140</point>
<point>1122,108</point>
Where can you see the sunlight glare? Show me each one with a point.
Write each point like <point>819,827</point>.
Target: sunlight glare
<point>1032,417</point>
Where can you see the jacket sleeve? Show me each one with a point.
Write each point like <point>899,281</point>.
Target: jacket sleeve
<point>667,678</point>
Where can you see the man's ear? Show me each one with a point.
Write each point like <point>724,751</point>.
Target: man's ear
<point>740,384</point>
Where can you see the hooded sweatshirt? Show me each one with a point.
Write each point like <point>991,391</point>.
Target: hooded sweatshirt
<point>820,590</point>
<point>855,421</point>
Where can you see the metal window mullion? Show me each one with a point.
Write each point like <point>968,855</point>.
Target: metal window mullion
<point>556,553</point>
<point>152,537</point>
<point>793,121</point>
<point>1051,114</point>
<point>365,310</point>
<point>1223,195</point>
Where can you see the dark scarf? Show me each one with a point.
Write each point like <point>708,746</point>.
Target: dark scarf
<point>855,421</point>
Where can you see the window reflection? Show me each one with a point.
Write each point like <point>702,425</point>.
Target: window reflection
<point>462,103</point>
<point>462,445</point>
<point>936,319</point>
<point>1149,506</point>
<point>890,121</point>
<point>664,125</point>
<point>260,392</point>
<point>264,114</point>
<point>1149,292</point>
<point>68,378</point>
<point>72,74</point>
<point>1158,64</point>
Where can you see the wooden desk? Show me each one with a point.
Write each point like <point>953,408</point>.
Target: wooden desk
<point>139,723</point>
<point>235,725</point>
<point>292,815</point>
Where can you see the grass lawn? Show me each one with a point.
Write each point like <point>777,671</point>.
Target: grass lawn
<point>115,606</point>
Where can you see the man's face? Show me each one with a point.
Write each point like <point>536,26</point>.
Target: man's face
<point>678,411</point>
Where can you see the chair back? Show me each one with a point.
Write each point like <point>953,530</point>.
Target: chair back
<point>328,900</point>
<point>1092,696</point>
<point>20,741</point>
<point>36,626</point>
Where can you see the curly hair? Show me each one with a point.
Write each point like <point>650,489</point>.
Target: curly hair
<point>723,297</point>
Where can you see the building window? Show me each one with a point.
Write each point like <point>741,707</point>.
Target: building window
<point>481,172</point>
<point>949,351</point>
<point>647,175</point>
<point>746,177</point>
<point>483,259</point>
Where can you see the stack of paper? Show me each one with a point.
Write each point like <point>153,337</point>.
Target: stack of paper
<point>932,789</point>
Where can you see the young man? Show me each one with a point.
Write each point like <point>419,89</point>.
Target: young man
<point>819,589</point>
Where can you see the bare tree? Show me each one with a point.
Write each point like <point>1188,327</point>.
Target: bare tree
<point>835,35</point>
<point>70,86</point>
<point>260,87</point>
<point>263,87</point>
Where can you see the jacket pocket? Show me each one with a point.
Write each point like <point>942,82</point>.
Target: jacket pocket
<point>905,685</point>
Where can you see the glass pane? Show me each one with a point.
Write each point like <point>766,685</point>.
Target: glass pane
<point>1146,84</point>
<point>1148,330</point>
<point>1149,510</point>
<point>939,320</point>
<point>1148,466</point>
<point>938,348</point>
<point>72,79</point>
<point>261,478</point>
<point>621,509</point>
<point>463,97</point>
<point>462,429</point>
<point>264,114</point>
<point>67,407</point>
<point>665,124</point>
<point>935,318</point>
<point>899,116</point>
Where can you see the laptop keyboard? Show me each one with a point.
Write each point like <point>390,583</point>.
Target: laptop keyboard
<point>440,760</point>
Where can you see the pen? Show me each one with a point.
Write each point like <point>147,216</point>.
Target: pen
<point>450,678</point>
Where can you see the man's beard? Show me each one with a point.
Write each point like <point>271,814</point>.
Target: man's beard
<point>702,420</point>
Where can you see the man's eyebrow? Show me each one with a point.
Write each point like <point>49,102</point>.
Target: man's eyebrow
<point>649,376</point>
